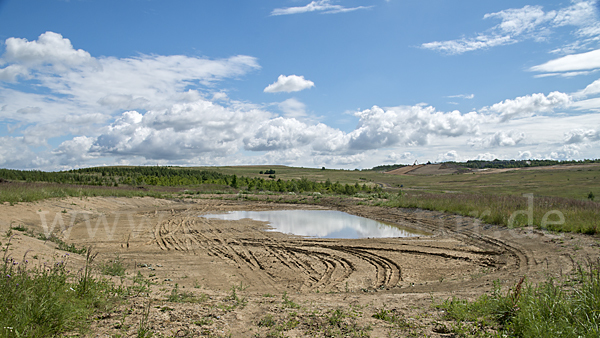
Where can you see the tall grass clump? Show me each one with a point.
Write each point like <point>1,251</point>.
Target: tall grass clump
<point>579,215</point>
<point>43,301</point>
<point>569,308</point>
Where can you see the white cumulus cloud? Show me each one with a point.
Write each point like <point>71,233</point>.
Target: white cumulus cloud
<point>581,135</point>
<point>50,48</point>
<point>288,84</point>
<point>524,155</point>
<point>450,156</point>
<point>530,104</point>
<point>498,139</point>
<point>410,125</point>
<point>486,157</point>
<point>394,157</point>
<point>151,109</point>
<point>183,131</point>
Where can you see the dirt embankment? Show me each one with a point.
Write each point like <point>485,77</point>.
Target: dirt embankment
<point>170,245</point>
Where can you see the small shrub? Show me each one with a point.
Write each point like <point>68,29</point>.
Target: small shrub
<point>267,321</point>
<point>114,267</point>
<point>178,296</point>
<point>288,302</point>
<point>21,228</point>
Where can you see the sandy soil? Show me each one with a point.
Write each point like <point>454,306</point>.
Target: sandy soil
<point>404,170</point>
<point>242,274</point>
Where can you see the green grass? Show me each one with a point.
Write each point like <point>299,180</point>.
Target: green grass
<point>390,316</point>
<point>48,300</point>
<point>339,322</point>
<point>114,267</point>
<point>16,192</point>
<point>493,198</point>
<point>569,308</point>
<point>178,296</point>
<point>62,245</point>
<point>572,182</point>
<point>581,216</point>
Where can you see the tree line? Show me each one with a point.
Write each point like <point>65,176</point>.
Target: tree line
<point>174,176</point>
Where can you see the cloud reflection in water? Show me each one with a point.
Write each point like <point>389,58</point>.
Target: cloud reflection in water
<point>319,223</point>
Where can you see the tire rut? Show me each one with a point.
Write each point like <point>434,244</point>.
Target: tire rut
<point>317,264</point>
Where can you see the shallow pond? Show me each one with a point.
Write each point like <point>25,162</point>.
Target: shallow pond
<point>320,223</point>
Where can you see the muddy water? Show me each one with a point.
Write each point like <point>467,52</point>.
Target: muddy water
<point>320,223</point>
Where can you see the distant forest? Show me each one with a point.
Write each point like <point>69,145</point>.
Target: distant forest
<point>501,164</point>
<point>177,176</point>
<point>497,164</point>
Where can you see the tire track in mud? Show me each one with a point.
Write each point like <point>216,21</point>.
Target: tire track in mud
<point>316,264</point>
<point>506,249</point>
<point>320,264</point>
<point>388,272</point>
<point>468,230</point>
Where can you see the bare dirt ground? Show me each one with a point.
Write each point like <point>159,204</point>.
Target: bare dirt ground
<point>248,282</point>
<point>404,170</point>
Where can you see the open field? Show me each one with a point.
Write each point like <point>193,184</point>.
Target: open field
<point>570,181</point>
<point>177,274</point>
<point>231,278</point>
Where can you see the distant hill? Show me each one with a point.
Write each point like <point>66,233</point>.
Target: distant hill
<point>502,164</point>
<point>496,164</point>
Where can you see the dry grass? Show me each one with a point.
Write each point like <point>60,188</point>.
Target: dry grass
<point>579,215</point>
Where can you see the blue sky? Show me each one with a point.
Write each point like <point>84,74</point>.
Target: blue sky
<point>335,83</point>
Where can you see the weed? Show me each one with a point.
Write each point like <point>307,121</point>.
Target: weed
<point>204,321</point>
<point>61,245</point>
<point>288,303</point>
<point>21,228</point>
<point>390,316</point>
<point>114,267</point>
<point>337,323</point>
<point>267,321</point>
<point>177,296</point>
<point>42,302</point>
<point>143,330</point>
<point>84,279</point>
<point>551,309</point>
<point>234,299</point>
<point>140,286</point>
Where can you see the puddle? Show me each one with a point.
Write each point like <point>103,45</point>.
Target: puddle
<point>320,223</point>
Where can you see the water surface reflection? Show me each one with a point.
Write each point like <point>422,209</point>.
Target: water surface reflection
<point>319,223</point>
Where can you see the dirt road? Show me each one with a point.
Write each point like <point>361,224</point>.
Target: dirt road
<point>217,261</point>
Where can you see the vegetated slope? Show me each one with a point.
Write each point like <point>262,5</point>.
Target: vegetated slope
<point>404,170</point>
<point>430,169</point>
